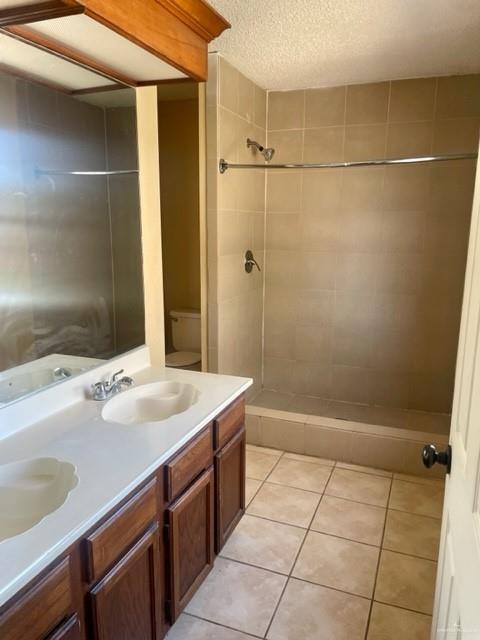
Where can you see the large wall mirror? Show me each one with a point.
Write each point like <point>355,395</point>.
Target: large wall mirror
<point>71,284</point>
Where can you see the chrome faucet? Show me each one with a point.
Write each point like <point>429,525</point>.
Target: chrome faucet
<point>108,388</point>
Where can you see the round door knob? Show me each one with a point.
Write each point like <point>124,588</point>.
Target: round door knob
<point>431,456</point>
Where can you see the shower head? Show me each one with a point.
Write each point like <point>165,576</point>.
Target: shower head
<point>267,152</point>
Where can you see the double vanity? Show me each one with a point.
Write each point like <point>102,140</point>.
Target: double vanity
<point>110,528</point>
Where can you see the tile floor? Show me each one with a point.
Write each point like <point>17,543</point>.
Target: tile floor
<point>325,551</point>
<point>400,418</point>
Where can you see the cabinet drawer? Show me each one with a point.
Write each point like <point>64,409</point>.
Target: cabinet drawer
<point>41,609</point>
<point>69,630</point>
<point>188,464</point>
<point>113,538</point>
<point>229,422</point>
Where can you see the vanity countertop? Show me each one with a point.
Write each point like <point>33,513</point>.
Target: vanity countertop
<point>110,461</point>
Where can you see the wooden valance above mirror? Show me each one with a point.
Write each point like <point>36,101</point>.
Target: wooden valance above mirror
<point>128,42</point>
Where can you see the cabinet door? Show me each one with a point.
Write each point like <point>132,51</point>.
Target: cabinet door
<point>69,630</point>
<point>126,604</point>
<point>229,488</point>
<point>190,541</point>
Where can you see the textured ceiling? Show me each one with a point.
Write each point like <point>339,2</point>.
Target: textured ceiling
<point>294,44</point>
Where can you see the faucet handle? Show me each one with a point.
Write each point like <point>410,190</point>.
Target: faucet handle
<point>115,376</point>
<point>99,391</point>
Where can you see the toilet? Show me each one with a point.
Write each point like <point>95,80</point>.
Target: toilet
<point>186,338</point>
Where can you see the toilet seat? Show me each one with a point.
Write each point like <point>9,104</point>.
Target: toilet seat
<point>182,358</point>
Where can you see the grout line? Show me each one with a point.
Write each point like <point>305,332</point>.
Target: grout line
<point>295,561</point>
<point>378,564</point>
<point>287,524</point>
<point>223,626</point>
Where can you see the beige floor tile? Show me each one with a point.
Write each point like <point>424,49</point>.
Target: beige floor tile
<point>436,482</point>
<point>412,534</point>
<point>284,504</point>
<point>360,487</point>
<point>406,582</point>
<point>302,475</point>
<point>311,612</point>
<point>341,564</point>
<point>313,459</point>
<point>426,500</point>
<point>238,596</point>
<point>352,520</point>
<point>259,464</point>
<point>391,623</point>
<point>266,450</point>
<point>251,488</point>
<point>360,468</point>
<point>263,543</point>
<point>189,628</point>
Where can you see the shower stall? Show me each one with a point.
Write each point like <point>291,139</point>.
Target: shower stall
<point>360,226</point>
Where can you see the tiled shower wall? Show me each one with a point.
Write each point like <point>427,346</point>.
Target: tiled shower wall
<point>365,266</point>
<point>236,110</point>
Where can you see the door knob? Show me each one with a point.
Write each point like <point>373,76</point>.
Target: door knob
<point>431,456</point>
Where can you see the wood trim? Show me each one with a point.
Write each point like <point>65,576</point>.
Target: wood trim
<point>148,83</point>
<point>42,608</point>
<point>187,465</point>
<point>198,16</point>
<point>110,540</point>
<point>66,53</point>
<point>37,12</point>
<point>155,29</point>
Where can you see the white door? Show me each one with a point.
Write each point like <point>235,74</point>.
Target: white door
<point>457,600</point>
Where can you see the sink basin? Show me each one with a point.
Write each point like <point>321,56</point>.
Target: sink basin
<point>30,490</point>
<point>150,403</point>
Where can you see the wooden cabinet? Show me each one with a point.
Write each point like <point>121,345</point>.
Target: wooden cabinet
<point>69,630</point>
<point>229,488</point>
<point>125,604</point>
<point>37,613</point>
<point>147,556</point>
<point>190,522</point>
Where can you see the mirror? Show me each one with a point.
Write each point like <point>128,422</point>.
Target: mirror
<point>71,283</point>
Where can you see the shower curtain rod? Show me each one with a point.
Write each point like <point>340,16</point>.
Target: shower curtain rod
<point>46,172</point>
<point>224,165</point>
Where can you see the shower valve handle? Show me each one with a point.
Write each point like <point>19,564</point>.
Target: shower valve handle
<point>250,262</point>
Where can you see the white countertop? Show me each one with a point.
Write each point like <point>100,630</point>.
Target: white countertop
<point>110,460</point>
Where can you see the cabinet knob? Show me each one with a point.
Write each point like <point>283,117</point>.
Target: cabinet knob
<point>431,456</point>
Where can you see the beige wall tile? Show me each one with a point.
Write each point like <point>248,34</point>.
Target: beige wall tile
<point>376,451</point>
<point>228,79</point>
<point>283,232</point>
<point>458,96</point>
<point>356,271</point>
<point>278,374</point>
<point>352,347</point>
<point>323,145</point>
<point>288,145</point>
<point>328,443</point>
<point>279,340</point>
<point>253,426</point>
<point>457,136</point>
<point>284,191</point>
<point>246,98</point>
<point>316,270</point>
<point>286,109</point>
<point>409,139</point>
<point>321,190</point>
<point>365,141</point>
<point>362,189</point>
<point>407,188</point>
<point>412,99</point>
<point>260,107</point>
<point>351,384</point>
<point>367,103</point>
<point>325,107</point>
<point>320,230</point>
<point>312,379</point>
<point>313,344</point>
<point>315,307</point>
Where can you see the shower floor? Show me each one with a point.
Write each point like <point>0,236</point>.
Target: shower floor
<point>399,418</point>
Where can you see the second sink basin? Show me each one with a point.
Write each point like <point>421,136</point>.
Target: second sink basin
<point>150,403</point>
<point>30,490</point>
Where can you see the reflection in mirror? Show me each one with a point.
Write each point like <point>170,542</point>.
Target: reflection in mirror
<point>71,286</point>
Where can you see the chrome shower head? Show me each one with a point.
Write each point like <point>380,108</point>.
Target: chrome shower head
<point>267,152</point>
